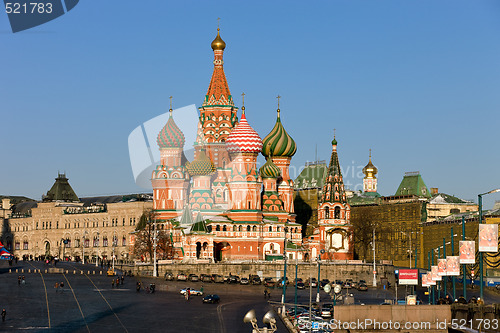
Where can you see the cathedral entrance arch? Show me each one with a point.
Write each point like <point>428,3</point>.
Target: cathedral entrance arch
<point>221,250</point>
<point>47,248</point>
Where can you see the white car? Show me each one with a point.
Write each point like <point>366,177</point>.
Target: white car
<point>191,292</point>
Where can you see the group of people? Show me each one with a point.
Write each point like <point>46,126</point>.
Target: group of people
<point>150,289</point>
<point>21,280</point>
<point>59,285</point>
<point>118,281</point>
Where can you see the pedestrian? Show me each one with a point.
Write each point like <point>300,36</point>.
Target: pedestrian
<point>138,286</point>
<point>201,289</point>
<point>23,281</point>
<point>112,283</point>
<point>265,292</point>
<point>117,282</point>
<point>187,294</point>
<point>4,313</point>
<point>122,278</point>
<point>19,280</point>
<point>56,286</point>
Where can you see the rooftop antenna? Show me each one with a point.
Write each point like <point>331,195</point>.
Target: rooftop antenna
<point>243,102</point>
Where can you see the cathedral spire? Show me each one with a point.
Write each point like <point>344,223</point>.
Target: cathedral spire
<point>218,91</point>
<point>333,190</point>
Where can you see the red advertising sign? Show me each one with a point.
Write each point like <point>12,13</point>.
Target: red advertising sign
<point>488,238</point>
<point>467,252</point>
<point>408,277</point>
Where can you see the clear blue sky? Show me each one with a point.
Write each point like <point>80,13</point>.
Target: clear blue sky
<point>416,81</point>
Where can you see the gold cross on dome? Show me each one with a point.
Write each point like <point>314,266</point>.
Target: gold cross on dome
<point>170,101</point>
<point>218,23</point>
<point>278,97</point>
<point>243,99</point>
<point>334,132</point>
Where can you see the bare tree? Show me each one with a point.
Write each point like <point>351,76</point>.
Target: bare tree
<point>144,242</point>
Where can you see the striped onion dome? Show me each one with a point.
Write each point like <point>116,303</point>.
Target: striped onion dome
<point>243,138</point>
<point>170,136</point>
<point>269,170</point>
<point>201,166</point>
<point>278,143</point>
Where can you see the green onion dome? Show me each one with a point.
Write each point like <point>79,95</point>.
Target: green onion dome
<point>201,166</point>
<point>171,135</point>
<point>269,170</point>
<point>278,143</point>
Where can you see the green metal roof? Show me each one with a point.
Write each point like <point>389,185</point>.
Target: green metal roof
<point>61,191</point>
<point>413,184</point>
<point>312,176</point>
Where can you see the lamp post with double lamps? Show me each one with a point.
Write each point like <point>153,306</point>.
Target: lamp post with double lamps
<point>284,272</point>
<point>480,204</point>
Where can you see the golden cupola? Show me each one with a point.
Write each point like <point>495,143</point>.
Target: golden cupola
<point>370,170</point>
<point>218,43</point>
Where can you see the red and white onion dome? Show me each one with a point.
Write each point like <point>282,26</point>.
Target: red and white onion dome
<point>243,138</point>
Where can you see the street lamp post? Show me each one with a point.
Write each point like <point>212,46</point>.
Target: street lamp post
<point>464,281</point>
<point>480,204</point>
<point>284,271</point>
<point>445,279</point>
<point>155,236</point>
<point>319,271</point>
<point>374,268</point>
<point>97,255</point>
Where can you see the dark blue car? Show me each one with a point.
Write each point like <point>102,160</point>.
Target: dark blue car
<point>211,299</point>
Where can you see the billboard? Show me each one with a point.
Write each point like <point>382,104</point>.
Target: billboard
<point>430,281</point>
<point>452,266</point>
<point>424,280</point>
<point>467,252</point>
<point>442,267</point>
<point>408,277</point>
<point>434,274</point>
<point>488,238</point>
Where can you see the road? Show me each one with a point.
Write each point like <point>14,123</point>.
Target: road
<point>89,303</point>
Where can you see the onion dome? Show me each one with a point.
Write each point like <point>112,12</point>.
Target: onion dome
<point>370,170</point>
<point>201,166</point>
<point>269,170</point>
<point>243,138</point>
<point>278,143</point>
<point>218,43</point>
<point>171,135</point>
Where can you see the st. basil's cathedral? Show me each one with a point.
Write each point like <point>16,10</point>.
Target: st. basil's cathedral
<point>220,207</point>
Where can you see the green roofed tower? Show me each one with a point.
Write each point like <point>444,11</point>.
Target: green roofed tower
<point>61,191</point>
<point>413,184</point>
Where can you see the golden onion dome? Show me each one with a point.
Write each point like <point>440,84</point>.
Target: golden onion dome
<point>218,43</point>
<point>370,169</point>
<point>201,166</point>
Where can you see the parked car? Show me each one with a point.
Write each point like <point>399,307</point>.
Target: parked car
<point>327,310</point>
<point>291,311</point>
<point>205,278</point>
<point>244,281</point>
<point>268,282</point>
<point>362,287</point>
<point>169,276</point>
<point>279,283</point>
<point>234,279</point>
<point>181,277</point>
<point>193,278</point>
<point>191,292</point>
<point>301,285</point>
<point>312,282</point>
<point>217,278</point>
<point>348,283</point>
<point>211,299</point>
<point>255,280</point>
<point>323,283</point>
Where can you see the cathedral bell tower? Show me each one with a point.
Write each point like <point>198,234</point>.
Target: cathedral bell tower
<point>218,117</point>
<point>334,214</point>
